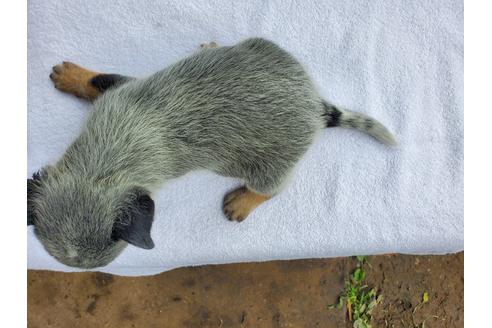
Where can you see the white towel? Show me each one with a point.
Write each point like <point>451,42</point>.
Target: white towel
<point>400,62</point>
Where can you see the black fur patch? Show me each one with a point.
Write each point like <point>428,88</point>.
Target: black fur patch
<point>103,82</point>
<point>134,227</point>
<point>331,115</point>
<point>368,124</point>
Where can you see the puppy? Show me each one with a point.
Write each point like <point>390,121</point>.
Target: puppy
<point>248,111</point>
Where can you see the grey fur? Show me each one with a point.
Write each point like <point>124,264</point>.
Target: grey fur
<point>348,119</point>
<point>248,111</point>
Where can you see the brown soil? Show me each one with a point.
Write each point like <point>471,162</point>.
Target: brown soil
<point>270,294</point>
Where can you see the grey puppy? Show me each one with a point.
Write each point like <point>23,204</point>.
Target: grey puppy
<point>248,111</point>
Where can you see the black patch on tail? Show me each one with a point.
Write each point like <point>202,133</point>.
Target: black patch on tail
<point>103,82</point>
<point>331,115</point>
<point>368,124</point>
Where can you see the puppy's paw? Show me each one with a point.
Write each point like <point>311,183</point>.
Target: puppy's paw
<point>240,202</point>
<point>71,78</point>
<point>210,45</point>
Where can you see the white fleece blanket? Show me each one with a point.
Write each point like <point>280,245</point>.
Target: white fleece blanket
<point>398,61</point>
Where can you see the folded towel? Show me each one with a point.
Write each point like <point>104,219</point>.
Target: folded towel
<point>400,62</point>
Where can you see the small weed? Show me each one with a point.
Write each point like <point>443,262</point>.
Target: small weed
<point>361,259</point>
<point>358,298</point>
<point>425,299</point>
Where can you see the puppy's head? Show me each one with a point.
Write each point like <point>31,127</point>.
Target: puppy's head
<point>84,222</point>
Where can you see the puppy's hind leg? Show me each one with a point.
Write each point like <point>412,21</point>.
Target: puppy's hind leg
<point>242,201</point>
<point>262,183</point>
<point>71,78</point>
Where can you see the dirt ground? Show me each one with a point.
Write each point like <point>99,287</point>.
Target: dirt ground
<point>269,294</point>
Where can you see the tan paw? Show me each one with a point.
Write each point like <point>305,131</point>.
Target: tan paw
<point>240,202</point>
<point>71,78</point>
<point>210,45</point>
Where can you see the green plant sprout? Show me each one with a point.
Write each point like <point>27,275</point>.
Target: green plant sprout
<point>425,299</point>
<point>359,299</point>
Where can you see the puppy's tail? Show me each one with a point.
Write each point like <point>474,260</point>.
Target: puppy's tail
<point>335,116</point>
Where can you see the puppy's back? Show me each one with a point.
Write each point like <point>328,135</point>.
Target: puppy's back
<point>222,106</point>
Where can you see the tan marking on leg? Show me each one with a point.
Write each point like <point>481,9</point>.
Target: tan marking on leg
<point>75,80</point>
<point>240,202</point>
<point>210,45</point>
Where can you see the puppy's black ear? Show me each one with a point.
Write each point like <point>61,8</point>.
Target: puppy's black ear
<point>135,227</point>
<point>31,184</point>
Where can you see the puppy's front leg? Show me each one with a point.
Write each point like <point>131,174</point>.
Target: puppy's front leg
<point>71,78</point>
